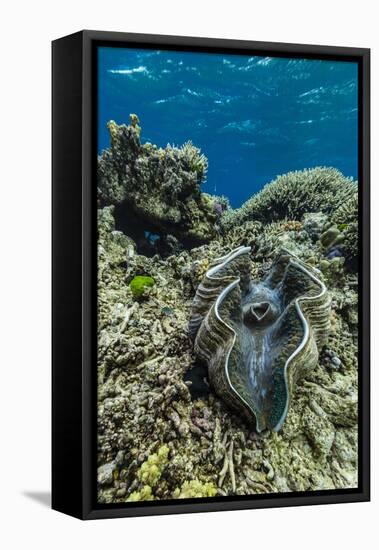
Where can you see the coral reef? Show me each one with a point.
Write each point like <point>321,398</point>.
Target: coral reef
<point>156,190</point>
<point>163,432</point>
<point>148,398</point>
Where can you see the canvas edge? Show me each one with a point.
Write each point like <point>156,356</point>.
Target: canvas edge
<point>87,509</point>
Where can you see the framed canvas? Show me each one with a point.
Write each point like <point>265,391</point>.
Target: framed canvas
<point>210,275</point>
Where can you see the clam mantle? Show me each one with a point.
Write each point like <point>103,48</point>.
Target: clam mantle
<point>259,338</point>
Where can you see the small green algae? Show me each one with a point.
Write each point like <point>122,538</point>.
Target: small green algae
<point>139,283</point>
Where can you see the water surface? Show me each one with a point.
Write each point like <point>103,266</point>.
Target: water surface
<point>253,117</point>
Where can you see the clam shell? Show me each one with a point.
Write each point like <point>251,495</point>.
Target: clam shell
<point>259,338</point>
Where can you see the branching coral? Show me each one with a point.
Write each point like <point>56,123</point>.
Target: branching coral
<point>294,194</point>
<point>197,162</point>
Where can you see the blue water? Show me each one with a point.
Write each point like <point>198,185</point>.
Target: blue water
<point>253,117</point>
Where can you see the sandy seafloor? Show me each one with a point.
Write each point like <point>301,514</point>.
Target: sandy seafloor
<point>162,431</point>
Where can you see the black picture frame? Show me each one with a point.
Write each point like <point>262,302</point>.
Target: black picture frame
<point>74,274</point>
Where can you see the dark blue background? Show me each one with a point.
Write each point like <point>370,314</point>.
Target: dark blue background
<point>253,117</point>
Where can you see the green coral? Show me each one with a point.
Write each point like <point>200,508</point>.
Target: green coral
<point>139,283</point>
<point>294,194</point>
<point>195,489</point>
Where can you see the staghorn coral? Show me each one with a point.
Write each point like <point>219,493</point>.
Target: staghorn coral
<point>155,190</point>
<point>347,211</point>
<point>294,194</point>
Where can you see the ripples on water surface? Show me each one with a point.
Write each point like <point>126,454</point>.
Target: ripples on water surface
<point>253,117</point>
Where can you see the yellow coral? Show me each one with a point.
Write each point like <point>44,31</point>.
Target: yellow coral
<point>144,494</point>
<point>195,489</point>
<point>151,470</point>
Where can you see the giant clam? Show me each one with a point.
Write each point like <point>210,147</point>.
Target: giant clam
<point>259,337</point>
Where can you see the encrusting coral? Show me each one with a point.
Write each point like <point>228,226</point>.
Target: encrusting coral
<point>163,433</point>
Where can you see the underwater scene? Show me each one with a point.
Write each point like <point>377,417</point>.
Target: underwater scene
<point>227,352</point>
